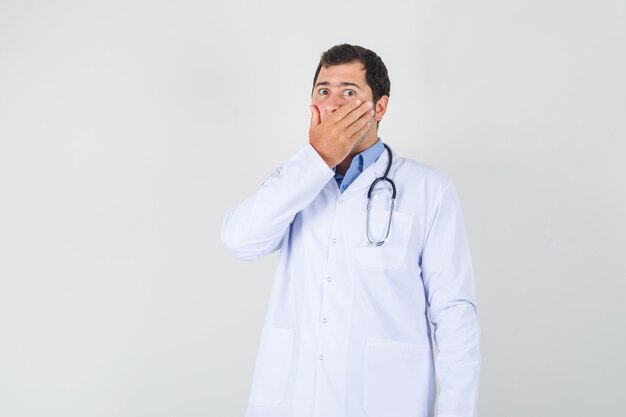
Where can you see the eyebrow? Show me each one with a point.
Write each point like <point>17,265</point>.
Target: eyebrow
<point>341,84</point>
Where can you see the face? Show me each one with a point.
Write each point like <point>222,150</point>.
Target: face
<point>339,84</point>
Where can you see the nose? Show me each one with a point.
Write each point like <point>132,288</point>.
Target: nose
<point>333,102</point>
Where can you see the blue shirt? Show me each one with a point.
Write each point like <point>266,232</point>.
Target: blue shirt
<point>359,163</point>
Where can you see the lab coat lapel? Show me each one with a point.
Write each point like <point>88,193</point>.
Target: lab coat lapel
<point>332,186</point>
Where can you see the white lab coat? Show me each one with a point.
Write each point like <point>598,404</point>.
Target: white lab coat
<point>347,329</point>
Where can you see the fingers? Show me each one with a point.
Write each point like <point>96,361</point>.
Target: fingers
<point>315,116</point>
<point>364,121</point>
<point>344,110</point>
<point>354,115</point>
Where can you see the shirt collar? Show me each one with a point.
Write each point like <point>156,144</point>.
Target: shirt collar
<point>367,157</point>
<point>372,153</point>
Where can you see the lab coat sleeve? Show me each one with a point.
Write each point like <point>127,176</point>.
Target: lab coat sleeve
<point>257,226</point>
<point>448,278</point>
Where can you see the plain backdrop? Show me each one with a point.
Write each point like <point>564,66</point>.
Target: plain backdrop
<point>129,128</point>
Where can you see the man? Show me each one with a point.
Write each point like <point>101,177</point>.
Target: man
<point>347,329</point>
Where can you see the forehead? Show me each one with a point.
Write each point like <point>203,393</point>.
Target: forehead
<point>353,71</point>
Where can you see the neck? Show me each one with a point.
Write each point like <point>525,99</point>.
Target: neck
<point>343,166</point>
<point>367,142</point>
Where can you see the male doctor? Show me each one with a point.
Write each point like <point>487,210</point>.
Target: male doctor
<point>347,331</point>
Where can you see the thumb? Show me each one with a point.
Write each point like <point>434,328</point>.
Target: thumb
<point>315,116</point>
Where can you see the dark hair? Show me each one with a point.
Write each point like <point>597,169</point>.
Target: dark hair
<point>375,70</point>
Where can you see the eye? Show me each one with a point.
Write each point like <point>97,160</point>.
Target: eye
<point>322,91</point>
<point>350,91</point>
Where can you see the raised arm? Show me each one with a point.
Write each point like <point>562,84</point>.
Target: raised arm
<point>256,227</point>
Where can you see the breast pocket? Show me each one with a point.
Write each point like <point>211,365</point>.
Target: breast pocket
<point>396,378</point>
<point>392,253</point>
<point>272,366</point>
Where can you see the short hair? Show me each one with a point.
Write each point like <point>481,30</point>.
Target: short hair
<point>375,69</point>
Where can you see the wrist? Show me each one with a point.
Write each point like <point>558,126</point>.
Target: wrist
<point>330,161</point>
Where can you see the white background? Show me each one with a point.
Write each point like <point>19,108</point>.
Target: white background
<point>129,128</point>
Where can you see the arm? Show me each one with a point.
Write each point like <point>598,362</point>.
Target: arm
<point>448,278</point>
<point>257,226</point>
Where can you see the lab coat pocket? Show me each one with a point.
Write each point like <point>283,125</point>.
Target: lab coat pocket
<point>392,253</point>
<point>396,378</point>
<point>272,366</point>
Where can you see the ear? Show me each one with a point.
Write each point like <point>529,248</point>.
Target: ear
<point>381,107</point>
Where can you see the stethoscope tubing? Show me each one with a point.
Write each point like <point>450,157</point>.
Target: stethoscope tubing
<point>384,178</point>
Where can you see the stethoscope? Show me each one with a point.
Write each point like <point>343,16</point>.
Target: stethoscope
<point>369,201</point>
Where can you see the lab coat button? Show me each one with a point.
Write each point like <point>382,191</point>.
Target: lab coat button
<point>321,357</point>
<point>329,279</point>
<point>340,201</point>
<point>333,240</point>
<point>324,320</point>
